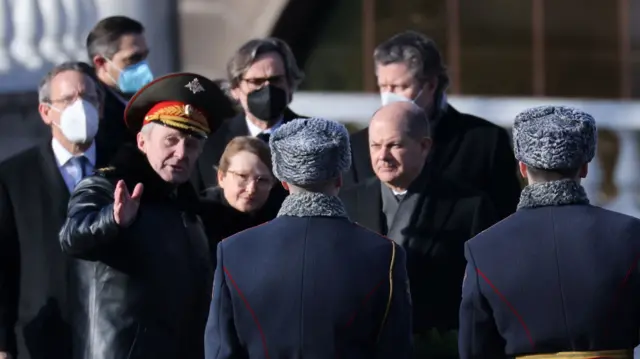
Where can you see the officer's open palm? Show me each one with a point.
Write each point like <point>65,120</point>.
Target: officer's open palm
<point>125,205</point>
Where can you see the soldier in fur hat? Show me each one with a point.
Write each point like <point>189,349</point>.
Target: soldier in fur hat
<point>145,284</point>
<point>311,283</point>
<point>559,278</point>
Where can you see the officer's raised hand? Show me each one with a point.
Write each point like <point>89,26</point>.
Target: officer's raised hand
<point>125,205</point>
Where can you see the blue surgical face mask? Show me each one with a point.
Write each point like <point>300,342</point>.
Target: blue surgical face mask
<point>389,97</point>
<point>133,78</point>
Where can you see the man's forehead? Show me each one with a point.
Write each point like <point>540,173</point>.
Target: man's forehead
<point>266,65</point>
<point>72,80</point>
<point>132,44</point>
<point>395,73</point>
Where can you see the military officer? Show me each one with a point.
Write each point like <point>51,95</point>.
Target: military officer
<point>144,281</point>
<point>310,283</point>
<point>559,278</point>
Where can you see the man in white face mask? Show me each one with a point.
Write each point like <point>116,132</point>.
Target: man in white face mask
<point>467,149</point>
<point>34,191</point>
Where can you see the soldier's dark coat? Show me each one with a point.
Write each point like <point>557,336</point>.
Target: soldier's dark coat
<point>558,275</point>
<point>309,284</point>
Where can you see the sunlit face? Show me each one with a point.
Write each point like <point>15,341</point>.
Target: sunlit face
<point>246,183</point>
<point>133,49</point>
<point>66,87</point>
<point>171,153</point>
<point>399,79</point>
<point>396,158</point>
<point>267,69</point>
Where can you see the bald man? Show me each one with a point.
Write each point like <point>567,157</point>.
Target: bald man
<point>431,217</point>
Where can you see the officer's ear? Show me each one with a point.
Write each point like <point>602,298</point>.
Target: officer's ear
<point>523,169</point>
<point>584,170</point>
<point>286,186</point>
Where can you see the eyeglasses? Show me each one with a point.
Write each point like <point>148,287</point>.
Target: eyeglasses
<point>68,100</point>
<point>258,82</point>
<point>244,179</point>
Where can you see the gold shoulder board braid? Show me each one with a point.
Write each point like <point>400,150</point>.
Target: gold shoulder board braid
<point>386,312</point>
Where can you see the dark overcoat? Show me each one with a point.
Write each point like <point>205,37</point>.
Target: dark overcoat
<point>445,215</point>
<point>309,284</point>
<point>36,283</point>
<point>559,275</point>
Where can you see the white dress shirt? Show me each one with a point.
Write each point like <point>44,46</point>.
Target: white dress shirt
<point>70,171</point>
<point>255,130</point>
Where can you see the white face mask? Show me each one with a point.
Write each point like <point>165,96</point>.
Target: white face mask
<point>79,121</point>
<point>390,97</point>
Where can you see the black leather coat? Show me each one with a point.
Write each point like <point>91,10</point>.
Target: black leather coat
<point>144,290</point>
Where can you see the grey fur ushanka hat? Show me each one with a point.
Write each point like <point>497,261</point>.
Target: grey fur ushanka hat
<point>554,137</point>
<point>310,150</point>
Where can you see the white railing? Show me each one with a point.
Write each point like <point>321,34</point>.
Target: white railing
<point>37,34</point>
<point>622,117</point>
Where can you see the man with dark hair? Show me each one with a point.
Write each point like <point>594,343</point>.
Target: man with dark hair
<point>262,77</point>
<point>118,50</point>
<point>559,278</point>
<point>466,148</point>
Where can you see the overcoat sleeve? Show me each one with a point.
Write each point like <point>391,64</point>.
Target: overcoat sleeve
<point>504,188</point>
<point>478,337</point>
<point>396,336</point>
<point>90,225</point>
<point>221,339</point>
<point>484,217</point>
<point>9,273</point>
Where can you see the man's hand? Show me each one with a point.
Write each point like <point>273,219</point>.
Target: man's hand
<point>4,355</point>
<point>125,205</point>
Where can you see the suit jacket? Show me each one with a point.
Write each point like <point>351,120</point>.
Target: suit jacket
<point>113,132</point>
<point>309,284</point>
<point>467,149</point>
<point>35,308</point>
<point>445,216</point>
<point>553,278</point>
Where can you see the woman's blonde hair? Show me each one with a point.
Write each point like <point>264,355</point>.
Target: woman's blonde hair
<point>245,143</point>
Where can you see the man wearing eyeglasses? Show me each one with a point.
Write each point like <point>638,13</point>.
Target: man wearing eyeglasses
<point>263,75</point>
<point>34,190</point>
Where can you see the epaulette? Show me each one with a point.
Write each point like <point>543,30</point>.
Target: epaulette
<point>105,171</point>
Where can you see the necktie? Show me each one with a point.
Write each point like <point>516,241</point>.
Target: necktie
<point>399,197</point>
<point>81,162</point>
<point>264,137</point>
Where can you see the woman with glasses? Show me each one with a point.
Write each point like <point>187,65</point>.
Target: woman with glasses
<point>245,180</point>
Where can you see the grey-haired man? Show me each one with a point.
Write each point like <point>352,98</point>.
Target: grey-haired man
<point>311,283</point>
<point>559,278</point>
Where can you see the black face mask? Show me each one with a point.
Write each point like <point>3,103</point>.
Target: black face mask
<point>267,103</point>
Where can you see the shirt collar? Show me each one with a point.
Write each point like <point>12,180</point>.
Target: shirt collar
<point>63,156</point>
<point>255,130</point>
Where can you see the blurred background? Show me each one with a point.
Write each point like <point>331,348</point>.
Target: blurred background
<point>503,56</point>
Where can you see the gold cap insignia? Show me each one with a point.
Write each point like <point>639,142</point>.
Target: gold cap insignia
<point>194,86</point>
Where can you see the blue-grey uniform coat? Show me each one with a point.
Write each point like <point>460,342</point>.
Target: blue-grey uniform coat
<point>559,275</point>
<point>309,284</point>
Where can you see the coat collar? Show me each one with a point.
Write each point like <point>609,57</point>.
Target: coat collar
<point>310,204</point>
<point>554,193</point>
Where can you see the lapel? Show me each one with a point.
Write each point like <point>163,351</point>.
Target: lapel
<point>52,181</point>
<point>447,139</point>
<point>436,208</point>
<point>369,202</point>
